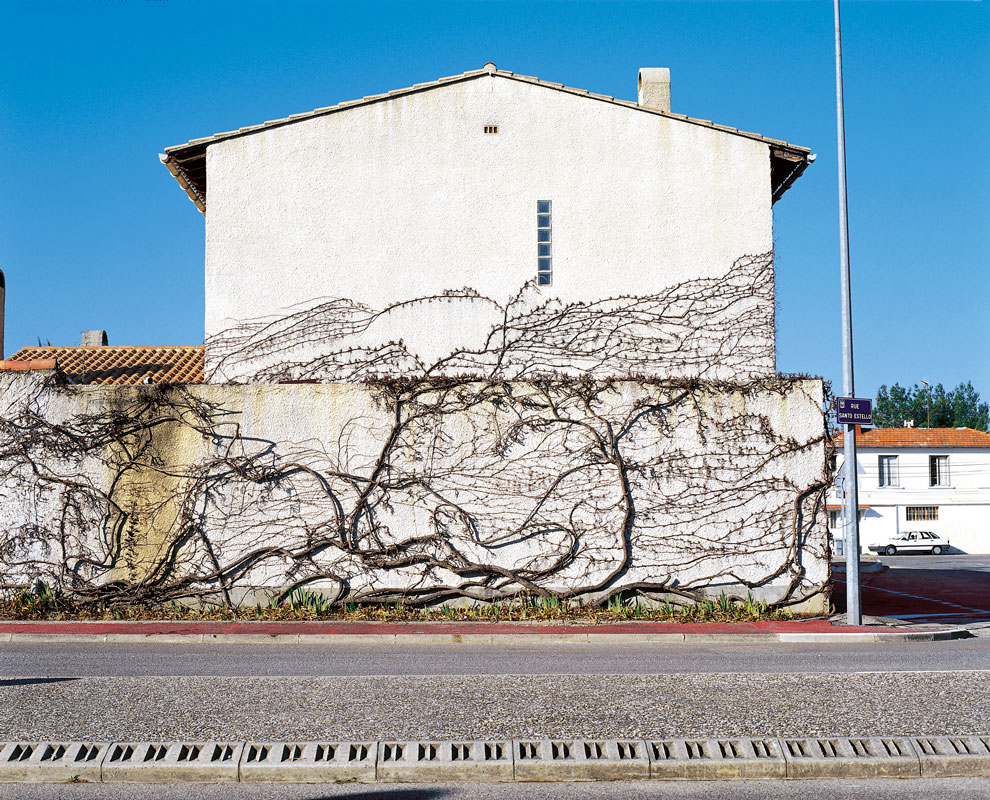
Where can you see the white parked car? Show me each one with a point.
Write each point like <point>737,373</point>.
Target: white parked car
<point>912,542</point>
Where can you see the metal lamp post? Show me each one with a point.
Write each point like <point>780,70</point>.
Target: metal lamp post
<point>850,522</point>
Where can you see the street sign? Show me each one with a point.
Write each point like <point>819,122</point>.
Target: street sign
<point>853,411</point>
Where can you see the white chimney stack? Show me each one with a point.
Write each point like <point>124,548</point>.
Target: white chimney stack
<point>94,339</point>
<point>654,88</point>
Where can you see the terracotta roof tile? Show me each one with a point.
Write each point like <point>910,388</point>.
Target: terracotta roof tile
<point>37,363</point>
<point>117,365</point>
<point>920,437</point>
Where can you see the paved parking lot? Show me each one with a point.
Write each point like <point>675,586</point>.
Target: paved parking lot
<point>950,589</point>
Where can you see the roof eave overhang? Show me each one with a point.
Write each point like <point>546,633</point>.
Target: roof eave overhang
<point>179,167</point>
<point>187,162</point>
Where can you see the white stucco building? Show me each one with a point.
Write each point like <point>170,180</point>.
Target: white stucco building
<point>921,479</point>
<point>487,180</point>
<point>500,231</point>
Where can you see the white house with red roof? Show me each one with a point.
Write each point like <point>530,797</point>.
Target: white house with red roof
<point>920,479</point>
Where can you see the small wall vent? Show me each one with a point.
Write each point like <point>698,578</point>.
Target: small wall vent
<point>491,128</point>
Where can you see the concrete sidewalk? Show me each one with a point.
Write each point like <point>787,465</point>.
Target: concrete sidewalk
<point>816,630</point>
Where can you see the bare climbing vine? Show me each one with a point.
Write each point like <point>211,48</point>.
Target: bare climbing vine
<point>456,483</point>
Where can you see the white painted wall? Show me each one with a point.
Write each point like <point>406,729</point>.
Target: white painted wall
<point>963,505</point>
<point>714,492</point>
<point>407,197</point>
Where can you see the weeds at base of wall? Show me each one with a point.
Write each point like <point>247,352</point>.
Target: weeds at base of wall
<point>41,602</point>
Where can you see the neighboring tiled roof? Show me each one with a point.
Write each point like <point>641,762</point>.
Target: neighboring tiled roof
<point>885,438</point>
<point>118,365</point>
<point>187,162</point>
<point>21,366</point>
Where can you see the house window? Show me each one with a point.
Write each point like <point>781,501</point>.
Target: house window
<point>888,471</point>
<point>922,513</point>
<point>834,520</point>
<point>938,470</point>
<point>544,241</point>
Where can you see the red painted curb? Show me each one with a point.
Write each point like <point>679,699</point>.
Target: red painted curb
<point>407,628</point>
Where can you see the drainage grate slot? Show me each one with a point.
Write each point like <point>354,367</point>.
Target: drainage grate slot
<point>53,752</point>
<point>87,752</point>
<point>326,752</point>
<point>560,751</point>
<point>661,750</point>
<point>961,746</point>
<point>460,752</point>
<point>156,752</point>
<point>257,753</point>
<point>291,752</point>
<point>797,749</point>
<point>594,750</point>
<point>494,752</point>
<point>893,747</point>
<point>21,752</point>
<point>188,752</point>
<point>696,750</point>
<point>828,748</point>
<point>223,752</point>
<point>391,752</point>
<point>762,748</point>
<point>729,749</point>
<point>527,750</point>
<point>427,752</point>
<point>122,753</point>
<point>627,750</point>
<point>861,747</point>
<point>358,752</point>
<point>928,746</point>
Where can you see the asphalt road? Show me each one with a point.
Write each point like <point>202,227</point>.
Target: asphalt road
<point>918,789</point>
<point>58,659</point>
<point>948,561</point>
<point>947,589</point>
<point>497,706</point>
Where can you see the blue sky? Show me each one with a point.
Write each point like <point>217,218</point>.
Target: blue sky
<point>95,233</point>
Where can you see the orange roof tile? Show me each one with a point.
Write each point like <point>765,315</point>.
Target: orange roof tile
<point>117,365</point>
<point>37,363</point>
<point>920,437</point>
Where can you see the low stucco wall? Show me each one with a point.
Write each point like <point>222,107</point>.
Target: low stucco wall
<point>416,490</point>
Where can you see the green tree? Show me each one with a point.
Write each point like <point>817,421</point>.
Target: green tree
<point>933,407</point>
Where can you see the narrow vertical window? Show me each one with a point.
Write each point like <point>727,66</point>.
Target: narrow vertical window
<point>938,470</point>
<point>888,471</point>
<point>544,243</point>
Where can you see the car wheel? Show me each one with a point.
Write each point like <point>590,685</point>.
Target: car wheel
<point>936,550</point>
<point>890,550</point>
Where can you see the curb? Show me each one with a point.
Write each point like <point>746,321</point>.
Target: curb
<point>386,761</point>
<point>493,639</point>
<point>865,568</point>
<point>811,632</point>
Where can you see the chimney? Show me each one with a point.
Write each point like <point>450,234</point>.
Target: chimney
<point>654,88</point>
<point>3,300</point>
<point>94,339</point>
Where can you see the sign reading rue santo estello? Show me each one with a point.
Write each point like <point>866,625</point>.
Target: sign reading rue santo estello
<point>853,411</point>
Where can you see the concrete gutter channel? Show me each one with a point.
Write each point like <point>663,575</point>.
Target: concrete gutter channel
<point>508,760</point>
<point>431,633</point>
